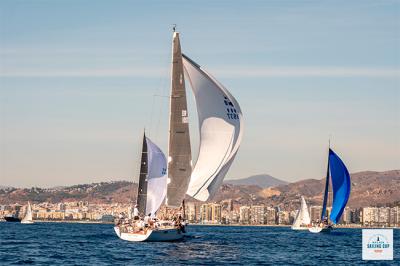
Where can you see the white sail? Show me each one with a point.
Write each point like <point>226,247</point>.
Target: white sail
<point>28,215</point>
<point>221,129</point>
<point>303,217</point>
<point>156,178</point>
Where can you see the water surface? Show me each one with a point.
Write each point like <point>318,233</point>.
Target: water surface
<point>77,244</point>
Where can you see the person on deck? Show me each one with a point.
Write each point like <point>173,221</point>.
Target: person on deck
<point>135,213</point>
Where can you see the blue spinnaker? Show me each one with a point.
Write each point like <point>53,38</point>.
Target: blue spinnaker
<point>340,186</point>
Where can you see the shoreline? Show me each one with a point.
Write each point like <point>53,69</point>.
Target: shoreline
<point>216,225</point>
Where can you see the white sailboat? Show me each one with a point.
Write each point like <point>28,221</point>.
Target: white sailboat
<point>28,215</point>
<point>302,220</point>
<point>151,193</point>
<point>220,124</point>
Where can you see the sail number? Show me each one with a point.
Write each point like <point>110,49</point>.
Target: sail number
<point>230,108</point>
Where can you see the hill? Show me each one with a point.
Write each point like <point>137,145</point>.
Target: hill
<point>368,189</point>
<point>104,192</point>
<point>262,181</point>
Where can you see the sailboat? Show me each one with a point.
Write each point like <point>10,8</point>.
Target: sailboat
<point>221,129</point>
<point>341,187</point>
<point>28,215</point>
<point>151,193</point>
<point>302,220</point>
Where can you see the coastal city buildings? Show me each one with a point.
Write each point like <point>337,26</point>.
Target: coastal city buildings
<point>208,213</point>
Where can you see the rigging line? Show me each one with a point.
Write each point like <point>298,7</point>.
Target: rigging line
<point>162,96</point>
<point>165,78</point>
<point>151,112</point>
<point>154,103</point>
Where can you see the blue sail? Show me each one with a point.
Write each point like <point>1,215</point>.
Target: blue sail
<point>340,186</point>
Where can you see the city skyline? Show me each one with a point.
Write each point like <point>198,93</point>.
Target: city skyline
<point>77,85</point>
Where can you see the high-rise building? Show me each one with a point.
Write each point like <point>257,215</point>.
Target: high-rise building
<point>393,216</point>
<point>346,216</point>
<point>244,214</point>
<point>210,213</point>
<point>257,214</point>
<point>270,215</point>
<point>370,216</point>
<point>384,216</point>
<point>234,217</point>
<point>192,212</point>
<point>315,213</point>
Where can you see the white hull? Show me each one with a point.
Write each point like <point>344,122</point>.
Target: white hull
<point>26,222</point>
<point>318,229</point>
<point>157,235</point>
<point>300,228</point>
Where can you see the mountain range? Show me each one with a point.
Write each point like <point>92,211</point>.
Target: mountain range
<point>368,189</point>
<point>262,181</point>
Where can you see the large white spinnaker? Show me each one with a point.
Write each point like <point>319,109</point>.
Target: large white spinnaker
<point>221,129</point>
<point>156,177</point>
<point>303,217</point>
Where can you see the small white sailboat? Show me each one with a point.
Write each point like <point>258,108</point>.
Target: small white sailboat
<point>220,125</point>
<point>302,220</point>
<point>341,187</point>
<point>28,215</point>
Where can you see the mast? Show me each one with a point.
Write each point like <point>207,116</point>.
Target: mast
<point>326,188</point>
<point>142,188</point>
<point>179,151</point>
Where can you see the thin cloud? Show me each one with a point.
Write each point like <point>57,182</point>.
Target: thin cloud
<point>226,72</point>
<point>112,72</point>
<point>296,72</point>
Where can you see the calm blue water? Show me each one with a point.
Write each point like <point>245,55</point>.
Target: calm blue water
<point>89,244</point>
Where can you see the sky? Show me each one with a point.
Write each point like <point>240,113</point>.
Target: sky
<point>80,80</point>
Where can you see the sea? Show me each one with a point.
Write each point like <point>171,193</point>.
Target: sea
<point>97,244</point>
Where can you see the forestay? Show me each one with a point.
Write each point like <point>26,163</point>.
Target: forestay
<point>221,129</point>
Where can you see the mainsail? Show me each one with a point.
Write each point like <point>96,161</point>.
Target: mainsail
<point>153,178</point>
<point>340,186</point>
<point>179,152</point>
<point>326,193</point>
<point>142,188</point>
<point>303,216</point>
<point>221,129</point>
<point>28,215</point>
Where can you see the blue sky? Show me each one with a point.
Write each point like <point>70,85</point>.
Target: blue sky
<point>78,79</point>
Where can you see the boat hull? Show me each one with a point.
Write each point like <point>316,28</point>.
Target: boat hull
<point>26,222</point>
<point>301,228</point>
<point>158,235</point>
<point>12,219</point>
<point>318,229</point>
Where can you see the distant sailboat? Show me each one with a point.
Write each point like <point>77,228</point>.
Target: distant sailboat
<point>28,215</point>
<point>302,220</point>
<point>341,192</point>
<point>221,130</point>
